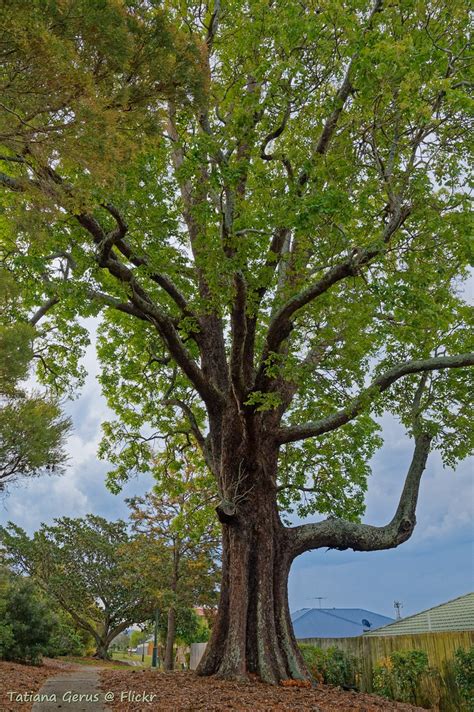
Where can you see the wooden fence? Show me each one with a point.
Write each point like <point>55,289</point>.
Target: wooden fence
<point>440,648</point>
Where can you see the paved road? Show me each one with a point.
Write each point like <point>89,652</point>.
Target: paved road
<point>76,691</point>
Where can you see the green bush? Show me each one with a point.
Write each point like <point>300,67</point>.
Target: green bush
<point>398,677</point>
<point>27,623</point>
<point>332,666</point>
<point>64,639</point>
<point>464,676</point>
<point>30,627</point>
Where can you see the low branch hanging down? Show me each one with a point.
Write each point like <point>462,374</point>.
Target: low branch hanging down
<point>378,385</point>
<point>341,534</point>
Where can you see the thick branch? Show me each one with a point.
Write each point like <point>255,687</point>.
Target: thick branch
<point>202,441</point>
<point>11,183</point>
<point>239,332</point>
<point>366,396</point>
<point>213,24</point>
<point>117,238</point>
<point>281,324</point>
<point>273,135</point>
<point>341,534</point>
<point>187,410</point>
<point>113,303</point>
<point>44,309</point>
<point>150,311</point>
<point>167,331</point>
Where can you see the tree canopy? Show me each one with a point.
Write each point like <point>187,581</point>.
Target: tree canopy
<point>82,565</point>
<point>32,427</point>
<point>275,235</point>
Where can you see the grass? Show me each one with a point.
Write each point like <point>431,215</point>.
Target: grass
<point>81,660</point>
<point>135,658</point>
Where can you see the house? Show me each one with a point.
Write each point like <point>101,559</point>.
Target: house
<point>457,614</point>
<point>335,622</point>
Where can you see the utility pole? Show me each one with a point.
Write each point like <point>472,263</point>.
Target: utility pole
<point>397,605</point>
<point>319,598</point>
<point>154,658</point>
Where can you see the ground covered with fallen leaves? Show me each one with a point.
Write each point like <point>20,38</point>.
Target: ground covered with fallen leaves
<point>185,691</point>
<point>25,678</point>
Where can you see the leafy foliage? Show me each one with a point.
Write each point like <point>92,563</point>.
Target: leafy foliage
<point>332,666</point>
<point>190,628</point>
<point>82,73</point>
<point>27,623</point>
<point>398,676</point>
<point>79,564</point>
<point>177,534</point>
<point>273,229</point>
<point>178,517</point>
<point>32,427</point>
<point>464,675</point>
<point>395,148</point>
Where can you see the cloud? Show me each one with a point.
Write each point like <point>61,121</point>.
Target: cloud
<point>81,489</point>
<point>446,495</point>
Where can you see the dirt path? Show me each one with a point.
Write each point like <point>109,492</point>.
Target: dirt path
<point>76,691</point>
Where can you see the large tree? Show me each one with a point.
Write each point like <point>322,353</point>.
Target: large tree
<point>276,243</point>
<point>82,565</point>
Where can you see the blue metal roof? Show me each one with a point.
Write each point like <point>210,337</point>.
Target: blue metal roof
<point>335,622</point>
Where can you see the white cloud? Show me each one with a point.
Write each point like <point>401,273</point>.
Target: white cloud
<point>81,489</point>
<point>446,496</point>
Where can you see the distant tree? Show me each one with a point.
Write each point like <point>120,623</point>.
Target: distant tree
<point>32,427</point>
<point>191,628</point>
<point>32,624</point>
<point>177,519</point>
<point>79,564</point>
<point>137,637</point>
<point>121,642</point>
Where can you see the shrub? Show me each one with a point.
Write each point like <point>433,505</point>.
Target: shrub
<point>332,666</point>
<point>30,628</point>
<point>464,676</point>
<point>64,639</point>
<point>27,622</point>
<point>398,677</point>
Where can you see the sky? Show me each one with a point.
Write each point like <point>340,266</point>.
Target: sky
<point>435,565</point>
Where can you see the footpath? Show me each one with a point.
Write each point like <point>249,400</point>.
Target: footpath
<point>76,691</point>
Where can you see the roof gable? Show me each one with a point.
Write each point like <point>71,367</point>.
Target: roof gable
<point>457,614</point>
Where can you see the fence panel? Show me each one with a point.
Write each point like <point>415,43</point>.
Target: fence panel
<point>439,647</point>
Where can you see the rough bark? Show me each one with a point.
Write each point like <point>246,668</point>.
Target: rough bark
<point>170,636</point>
<point>253,632</point>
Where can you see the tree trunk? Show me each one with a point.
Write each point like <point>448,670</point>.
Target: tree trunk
<point>102,650</point>
<point>170,636</point>
<point>253,631</point>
